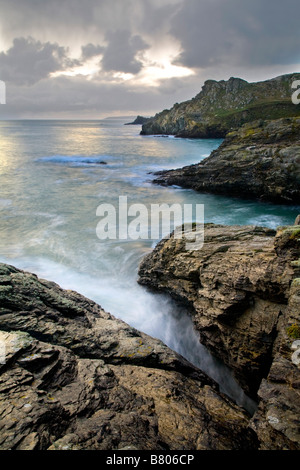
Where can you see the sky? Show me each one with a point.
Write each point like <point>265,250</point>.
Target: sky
<point>91,59</point>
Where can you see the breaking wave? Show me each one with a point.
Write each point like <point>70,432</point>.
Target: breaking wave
<point>77,160</point>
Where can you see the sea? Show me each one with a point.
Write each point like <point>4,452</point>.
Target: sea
<point>54,175</point>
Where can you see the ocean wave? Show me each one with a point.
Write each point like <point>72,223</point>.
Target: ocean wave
<point>77,160</point>
<point>168,136</point>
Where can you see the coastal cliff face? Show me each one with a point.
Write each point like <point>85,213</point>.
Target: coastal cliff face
<point>243,292</point>
<point>225,105</point>
<point>74,377</point>
<point>261,160</point>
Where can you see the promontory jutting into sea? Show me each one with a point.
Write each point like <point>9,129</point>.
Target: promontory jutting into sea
<point>137,343</point>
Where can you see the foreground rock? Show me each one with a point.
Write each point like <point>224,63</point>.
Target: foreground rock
<point>74,377</point>
<point>243,293</point>
<point>224,105</point>
<point>261,160</point>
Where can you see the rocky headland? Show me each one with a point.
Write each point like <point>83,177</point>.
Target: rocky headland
<point>73,377</point>
<point>222,106</point>
<point>260,160</point>
<point>243,293</point>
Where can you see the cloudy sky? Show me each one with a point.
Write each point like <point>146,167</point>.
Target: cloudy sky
<point>98,58</point>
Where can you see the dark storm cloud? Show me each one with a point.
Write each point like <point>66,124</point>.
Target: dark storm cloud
<point>156,16</point>
<point>256,32</point>
<point>120,54</point>
<point>29,61</point>
<point>91,50</point>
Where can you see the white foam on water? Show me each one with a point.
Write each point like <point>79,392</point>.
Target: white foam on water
<point>266,220</point>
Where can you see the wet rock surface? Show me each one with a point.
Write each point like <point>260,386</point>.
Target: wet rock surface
<point>225,105</point>
<point>74,377</point>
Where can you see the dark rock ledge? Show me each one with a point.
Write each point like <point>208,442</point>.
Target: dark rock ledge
<point>243,292</point>
<point>74,377</point>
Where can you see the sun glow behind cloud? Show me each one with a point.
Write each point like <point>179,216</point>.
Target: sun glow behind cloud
<point>152,74</point>
<point>153,71</point>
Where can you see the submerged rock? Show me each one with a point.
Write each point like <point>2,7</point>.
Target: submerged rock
<point>261,160</point>
<point>139,120</point>
<point>243,293</point>
<point>74,377</point>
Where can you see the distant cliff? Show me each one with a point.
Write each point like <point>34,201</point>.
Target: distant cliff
<point>243,292</point>
<point>224,105</point>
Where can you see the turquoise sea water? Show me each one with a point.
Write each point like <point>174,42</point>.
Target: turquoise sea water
<point>52,179</point>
